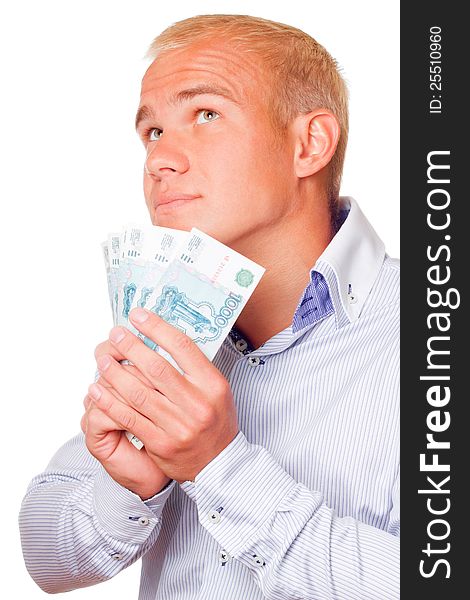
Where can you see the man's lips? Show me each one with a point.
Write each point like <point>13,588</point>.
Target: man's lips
<point>173,197</point>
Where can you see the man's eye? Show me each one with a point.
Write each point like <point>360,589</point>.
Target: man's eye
<point>154,134</point>
<point>204,116</point>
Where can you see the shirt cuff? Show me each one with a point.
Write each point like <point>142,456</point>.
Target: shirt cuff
<point>155,503</point>
<point>122,514</point>
<point>240,492</point>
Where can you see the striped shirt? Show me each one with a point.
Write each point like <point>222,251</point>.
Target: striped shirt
<point>303,503</point>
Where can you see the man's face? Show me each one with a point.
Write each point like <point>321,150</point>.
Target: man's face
<point>212,161</point>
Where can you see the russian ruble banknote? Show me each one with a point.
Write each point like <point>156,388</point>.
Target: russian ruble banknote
<point>135,260</point>
<point>189,279</point>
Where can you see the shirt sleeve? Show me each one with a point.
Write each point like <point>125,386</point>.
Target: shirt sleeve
<point>294,544</point>
<point>80,527</point>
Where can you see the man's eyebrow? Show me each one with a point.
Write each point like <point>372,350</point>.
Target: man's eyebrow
<point>199,90</point>
<point>145,112</point>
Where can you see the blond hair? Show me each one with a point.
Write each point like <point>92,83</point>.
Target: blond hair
<point>304,75</point>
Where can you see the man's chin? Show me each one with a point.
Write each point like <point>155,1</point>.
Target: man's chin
<point>182,217</point>
<point>180,226</point>
<point>185,222</point>
<point>173,222</point>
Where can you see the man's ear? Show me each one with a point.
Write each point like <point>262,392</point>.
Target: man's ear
<point>317,134</point>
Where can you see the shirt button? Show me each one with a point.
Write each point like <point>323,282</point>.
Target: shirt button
<point>214,516</point>
<point>352,298</point>
<point>144,520</point>
<point>224,557</point>
<point>253,361</point>
<point>241,345</point>
<point>257,560</point>
<point>117,556</point>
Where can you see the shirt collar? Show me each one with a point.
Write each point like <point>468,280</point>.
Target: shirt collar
<point>351,263</point>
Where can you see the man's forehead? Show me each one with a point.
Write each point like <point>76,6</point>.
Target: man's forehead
<point>214,63</point>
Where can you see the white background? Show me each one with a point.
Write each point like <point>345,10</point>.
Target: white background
<point>71,170</point>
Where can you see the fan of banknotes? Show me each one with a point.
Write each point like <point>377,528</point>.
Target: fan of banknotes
<point>191,280</point>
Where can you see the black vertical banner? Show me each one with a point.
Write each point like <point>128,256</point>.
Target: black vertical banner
<point>435,321</point>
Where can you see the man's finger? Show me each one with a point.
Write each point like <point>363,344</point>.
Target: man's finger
<point>124,416</point>
<point>181,347</point>
<point>133,371</point>
<point>83,422</point>
<point>107,348</point>
<point>161,373</point>
<point>148,401</point>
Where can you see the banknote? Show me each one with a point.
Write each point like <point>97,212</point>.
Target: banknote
<point>191,280</point>
<point>107,264</point>
<point>203,291</point>
<point>112,260</point>
<point>135,259</point>
<point>145,253</point>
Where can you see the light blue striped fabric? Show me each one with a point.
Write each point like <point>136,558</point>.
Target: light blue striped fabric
<point>304,503</point>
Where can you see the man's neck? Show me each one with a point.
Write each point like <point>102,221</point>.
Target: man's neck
<point>288,254</point>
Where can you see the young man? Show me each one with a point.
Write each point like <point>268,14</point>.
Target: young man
<point>272,472</point>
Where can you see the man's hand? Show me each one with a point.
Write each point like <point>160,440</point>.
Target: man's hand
<point>184,420</point>
<point>105,440</point>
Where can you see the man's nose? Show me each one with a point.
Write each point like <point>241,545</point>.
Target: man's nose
<point>165,158</point>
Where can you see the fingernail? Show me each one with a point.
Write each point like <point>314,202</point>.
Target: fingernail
<point>139,315</point>
<point>117,334</point>
<point>94,391</point>
<point>103,362</point>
